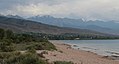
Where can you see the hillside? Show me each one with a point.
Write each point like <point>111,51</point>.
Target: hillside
<point>21,25</point>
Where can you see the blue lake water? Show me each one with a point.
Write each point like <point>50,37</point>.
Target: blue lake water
<point>101,47</point>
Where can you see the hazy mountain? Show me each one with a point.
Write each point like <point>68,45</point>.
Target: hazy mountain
<point>100,26</point>
<point>63,22</point>
<point>14,16</point>
<point>106,24</point>
<point>21,25</point>
<point>101,29</point>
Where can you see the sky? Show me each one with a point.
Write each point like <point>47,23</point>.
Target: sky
<point>86,9</point>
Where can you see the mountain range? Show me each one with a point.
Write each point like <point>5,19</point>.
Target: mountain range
<point>23,25</point>
<point>110,27</point>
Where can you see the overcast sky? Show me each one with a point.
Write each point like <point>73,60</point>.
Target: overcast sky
<point>87,9</point>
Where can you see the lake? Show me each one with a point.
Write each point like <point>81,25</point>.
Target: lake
<point>101,47</point>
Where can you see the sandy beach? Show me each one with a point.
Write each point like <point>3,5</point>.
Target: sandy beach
<point>66,53</point>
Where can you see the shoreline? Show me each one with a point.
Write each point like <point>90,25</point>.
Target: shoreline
<point>112,55</point>
<point>66,53</point>
<point>72,46</point>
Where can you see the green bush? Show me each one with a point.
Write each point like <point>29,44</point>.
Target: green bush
<point>4,56</point>
<point>2,32</point>
<point>18,58</point>
<point>62,62</point>
<point>31,51</point>
<point>35,46</point>
<point>6,47</point>
<point>41,46</point>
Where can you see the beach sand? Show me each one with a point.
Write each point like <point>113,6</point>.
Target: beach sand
<point>66,53</point>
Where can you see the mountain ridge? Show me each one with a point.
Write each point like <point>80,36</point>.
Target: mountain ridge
<point>22,25</point>
<point>99,26</point>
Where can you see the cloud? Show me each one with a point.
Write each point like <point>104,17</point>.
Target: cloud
<point>87,9</point>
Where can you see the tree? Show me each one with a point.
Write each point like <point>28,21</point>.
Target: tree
<point>8,34</point>
<point>1,33</point>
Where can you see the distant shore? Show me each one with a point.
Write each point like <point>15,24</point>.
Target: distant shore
<point>66,53</point>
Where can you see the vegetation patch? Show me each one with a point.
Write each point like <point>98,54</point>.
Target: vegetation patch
<point>19,58</point>
<point>12,45</point>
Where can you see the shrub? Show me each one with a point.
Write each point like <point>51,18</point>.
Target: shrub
<point>4,56</point>
<point>26,58</point>
<point>31,50</point>
<point>62,62</point>
<point>41,46</point>
<point>2,32</point>
<point>6,47</point>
